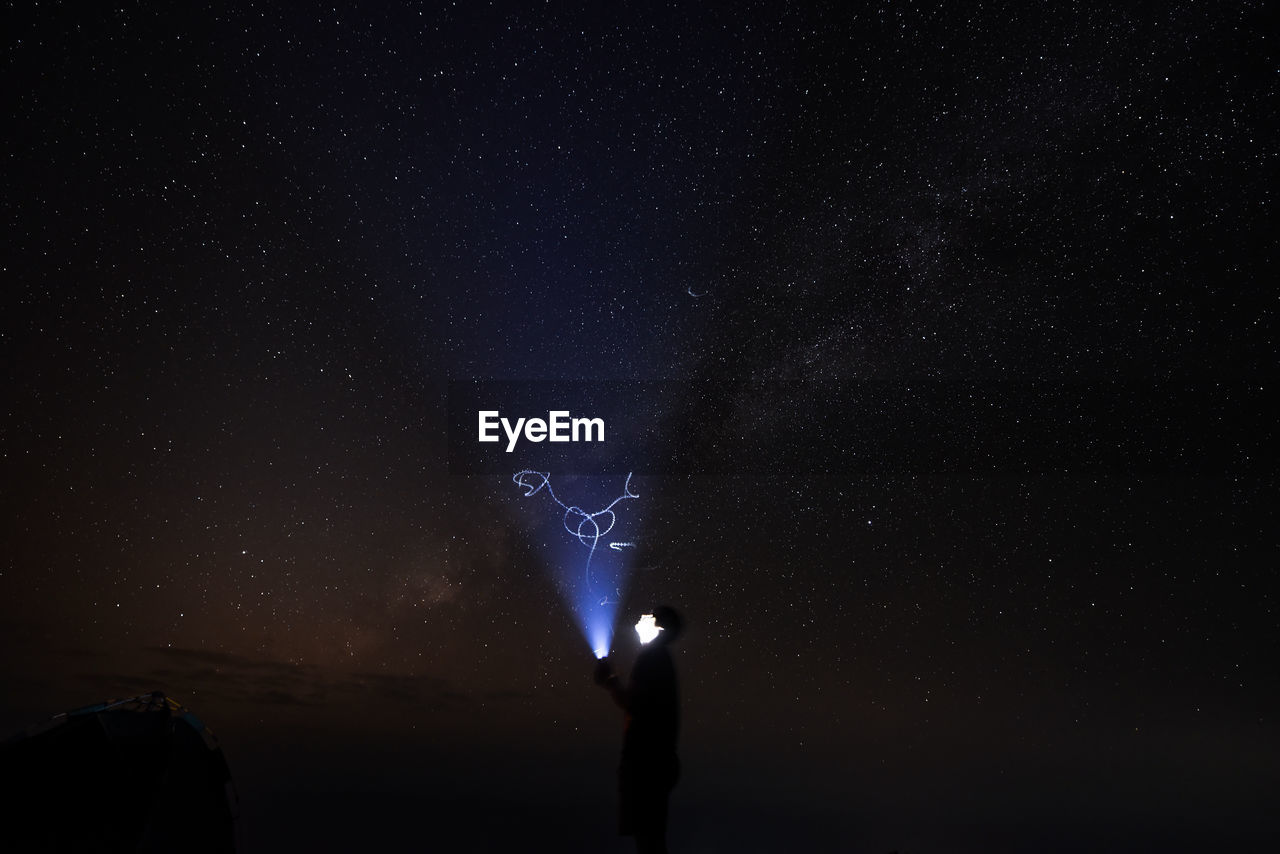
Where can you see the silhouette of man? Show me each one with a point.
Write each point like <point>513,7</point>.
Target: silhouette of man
<point>649,767</point>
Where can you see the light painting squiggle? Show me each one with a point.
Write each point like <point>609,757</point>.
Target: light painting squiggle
<point>590,527</point>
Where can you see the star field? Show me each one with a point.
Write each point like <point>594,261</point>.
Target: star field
<point>966,491</point>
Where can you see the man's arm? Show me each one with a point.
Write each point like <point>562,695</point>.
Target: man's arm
<point>608,680</point>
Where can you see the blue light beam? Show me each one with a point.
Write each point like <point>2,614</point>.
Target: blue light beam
<point>595,614</point>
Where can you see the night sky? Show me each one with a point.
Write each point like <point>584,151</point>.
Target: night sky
<point>959,326</point>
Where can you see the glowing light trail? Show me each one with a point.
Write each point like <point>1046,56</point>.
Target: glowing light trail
<point>590,526</point>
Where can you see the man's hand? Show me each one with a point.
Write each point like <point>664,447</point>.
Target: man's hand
<point>604,672</point>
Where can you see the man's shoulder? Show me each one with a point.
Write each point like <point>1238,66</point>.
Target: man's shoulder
<point>655,657</point>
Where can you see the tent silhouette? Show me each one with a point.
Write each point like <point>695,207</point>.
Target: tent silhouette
<point>136,775</point>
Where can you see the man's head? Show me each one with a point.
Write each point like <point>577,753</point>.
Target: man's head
<point>668,619</point>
